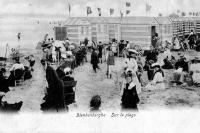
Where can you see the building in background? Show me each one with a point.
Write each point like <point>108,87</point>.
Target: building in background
<point>136,30</point>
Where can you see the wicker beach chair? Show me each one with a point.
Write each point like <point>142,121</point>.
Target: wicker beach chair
<point>69,97</point>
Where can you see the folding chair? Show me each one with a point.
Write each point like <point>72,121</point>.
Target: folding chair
<point>69,97</point>
<point>19,78</point>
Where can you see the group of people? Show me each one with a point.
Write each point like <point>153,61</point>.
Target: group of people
<point>191,42</point>
<point>18,73</point>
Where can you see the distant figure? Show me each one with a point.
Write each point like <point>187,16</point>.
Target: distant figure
<point>100,48</point>
<point>95,103</point>
<point>19,36</point>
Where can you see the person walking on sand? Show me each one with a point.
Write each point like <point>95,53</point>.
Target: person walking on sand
<point>94,59</point>
<point>110,58</point>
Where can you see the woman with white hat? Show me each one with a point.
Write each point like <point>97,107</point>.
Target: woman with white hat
<point>158,78</point>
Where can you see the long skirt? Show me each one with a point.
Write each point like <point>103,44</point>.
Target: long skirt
<point>196,78</point>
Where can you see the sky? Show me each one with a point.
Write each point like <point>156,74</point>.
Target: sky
<point>78,7</point>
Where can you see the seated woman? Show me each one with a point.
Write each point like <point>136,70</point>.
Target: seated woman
<point>130,97</point>
<point>158,79</point>
<point>182,69</point>
<point>194,68</point>
<point>16,72</point>
<point>167,64</point>
<point>3,81</point>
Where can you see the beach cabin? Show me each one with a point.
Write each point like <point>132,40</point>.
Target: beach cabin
<point>78,28</point>
<point>196,21</point>
<point>177,26</point>
<point>99,29</point>
<point>139,30</point>
<point>114,28</point>
<point>165,30</point>
<point>183,25</point>
<point>60,32</point>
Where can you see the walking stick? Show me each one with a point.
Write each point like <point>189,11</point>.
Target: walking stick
<point>6,55</point>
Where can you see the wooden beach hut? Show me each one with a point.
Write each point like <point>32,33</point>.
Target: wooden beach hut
<point>114,28</point>
<point>78,28</point>
<point>165,31</point>
<point>139,30</point>
<point>99,29</point>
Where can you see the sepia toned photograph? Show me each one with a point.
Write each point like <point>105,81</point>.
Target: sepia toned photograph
<point>99,59</point>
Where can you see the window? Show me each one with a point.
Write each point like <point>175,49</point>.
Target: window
<point>116,28</point>
<point>82,30</point>
<point>99,28</point>
<point>105,29</point>
<point>87,30</point>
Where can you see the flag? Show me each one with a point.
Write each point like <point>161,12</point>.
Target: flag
<point>99,11</point>
<point>111,11</point>
<point>121,14</point>
<point>69,7</point>
<point>148,7</point>
<point>127,12</point>
<point>128,4</point>
<point>89,10</point>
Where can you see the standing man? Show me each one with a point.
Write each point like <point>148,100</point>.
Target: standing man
<point>100,48</point>
<point>110,58</point>
<point>94,59</point>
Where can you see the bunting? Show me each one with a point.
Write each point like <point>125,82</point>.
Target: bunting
<point>69,8</point>
<point>148,7</point>
<point>99,11</point>
<point>128,4</point>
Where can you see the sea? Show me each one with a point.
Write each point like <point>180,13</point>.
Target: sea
<point>32,29</point>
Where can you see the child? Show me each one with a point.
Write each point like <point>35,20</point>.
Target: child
<point>95,103</point>
<point>130,97</point>
<point>32,62</point>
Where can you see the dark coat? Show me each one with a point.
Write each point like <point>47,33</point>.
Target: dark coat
<point>130,98</point>
<point>94,58</point>
<point>3,83</point>
<point>55,89</point>
<point>152,55</point>
<point>182,64</point>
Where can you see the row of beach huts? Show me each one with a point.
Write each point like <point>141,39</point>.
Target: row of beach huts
<point>136,30</point>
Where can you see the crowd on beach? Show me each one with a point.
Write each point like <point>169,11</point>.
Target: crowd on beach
<point>61,58</point>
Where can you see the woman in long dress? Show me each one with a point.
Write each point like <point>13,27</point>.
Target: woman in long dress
<point>194,68</point>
